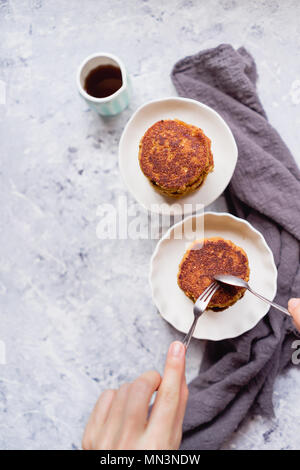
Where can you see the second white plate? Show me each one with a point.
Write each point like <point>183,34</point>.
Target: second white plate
<point>192,112</point>
<point>177,308</point>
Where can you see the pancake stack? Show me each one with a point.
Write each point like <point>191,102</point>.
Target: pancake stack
<point>206,258</point>
<point>176,157</point>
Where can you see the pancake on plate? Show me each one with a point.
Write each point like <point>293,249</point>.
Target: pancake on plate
<point>206,258</point>
<point>175,157</point>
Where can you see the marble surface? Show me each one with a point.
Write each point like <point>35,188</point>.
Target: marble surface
<point>76,311</point>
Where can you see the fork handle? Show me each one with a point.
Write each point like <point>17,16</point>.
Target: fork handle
<point>187,338</point>
<point>282,309</point>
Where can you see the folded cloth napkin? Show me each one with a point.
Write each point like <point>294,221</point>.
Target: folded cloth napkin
<point>237,375</point>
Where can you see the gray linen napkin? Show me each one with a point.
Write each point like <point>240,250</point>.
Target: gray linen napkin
<point>237,375</point>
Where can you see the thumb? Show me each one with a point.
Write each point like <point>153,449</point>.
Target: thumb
<point>294,309</point>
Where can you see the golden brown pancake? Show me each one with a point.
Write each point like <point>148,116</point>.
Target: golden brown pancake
<point>176,157</point>
<point>206,258</point>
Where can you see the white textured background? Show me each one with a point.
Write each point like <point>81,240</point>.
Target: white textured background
<point>76,312</point>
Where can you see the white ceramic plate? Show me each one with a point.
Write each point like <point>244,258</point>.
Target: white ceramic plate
<point>192,112</point>
<point>177,308</point>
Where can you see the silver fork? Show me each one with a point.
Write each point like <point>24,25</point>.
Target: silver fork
<point>199,307</point>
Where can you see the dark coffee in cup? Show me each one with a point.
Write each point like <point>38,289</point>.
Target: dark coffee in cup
<point>103,81</point>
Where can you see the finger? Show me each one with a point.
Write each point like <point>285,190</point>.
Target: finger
<point>182,404</point>
<point>168,396</point>
<point>137,407</point>
<point>294,309</point>
<point>97,418</point>
<point>114,421</point>
<point>140,393</point>
<point>181,412</point>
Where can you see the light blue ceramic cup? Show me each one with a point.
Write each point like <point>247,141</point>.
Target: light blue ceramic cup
<point>110,105</point>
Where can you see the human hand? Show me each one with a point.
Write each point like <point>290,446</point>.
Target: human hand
<point>120,418</point>
<point>294,309</point>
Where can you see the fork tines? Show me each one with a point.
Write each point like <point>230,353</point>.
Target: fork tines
<point>206,293</point>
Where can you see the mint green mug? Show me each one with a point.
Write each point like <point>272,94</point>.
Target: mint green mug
<point>112,104</point>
